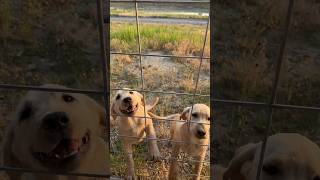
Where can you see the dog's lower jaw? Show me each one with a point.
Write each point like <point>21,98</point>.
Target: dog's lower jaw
<point>130,112</point>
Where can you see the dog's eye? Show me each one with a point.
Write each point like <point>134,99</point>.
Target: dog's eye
<point>130,92</point>
<point>118,97</point>
<point>271,170</point>
<point>26,112</point>
<point>67,98</point>
<point>195,115</point>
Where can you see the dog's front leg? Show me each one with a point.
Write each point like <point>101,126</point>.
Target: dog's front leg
<point>152,143</point>
<point>174,166</point>
<point>198,165</point>
<point>129,157</point>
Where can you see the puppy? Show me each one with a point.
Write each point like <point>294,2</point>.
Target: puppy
<point>53,131</point>
<point>194,137</point>
<point>133,130</point>
<point>288,156</point>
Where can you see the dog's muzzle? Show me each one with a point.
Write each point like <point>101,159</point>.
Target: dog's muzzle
<point>130,108</point>
<point>55,121</point>
<point>201,133</point>
<point>65,148</point>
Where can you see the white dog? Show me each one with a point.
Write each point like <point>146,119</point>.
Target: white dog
<point>288,156</point>
<point>133,130</point>
<point>190,135</point>
<point>53,131</point>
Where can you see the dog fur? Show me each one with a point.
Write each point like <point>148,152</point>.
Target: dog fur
<point>133,130</point>
<point>288,156</point>
<point>217,171</point>
<point>187,131</point>
<point>42,121</point>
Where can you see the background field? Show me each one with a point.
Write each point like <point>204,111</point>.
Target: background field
<point>247,41</point>
<point>57,42</point>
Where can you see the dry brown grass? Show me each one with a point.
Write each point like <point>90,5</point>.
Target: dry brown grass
<point>57,42</point>
<point>247,44</point>
<point>306,13</point>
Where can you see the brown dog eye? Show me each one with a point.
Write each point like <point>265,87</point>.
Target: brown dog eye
<point>195,115</point>
<point>67,98</point>
<point>118,97</point>
<point>271,170</point>
<point>130,92</point>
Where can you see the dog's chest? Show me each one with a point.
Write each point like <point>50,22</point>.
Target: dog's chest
<point>132,127</point>
<point>193,150</point>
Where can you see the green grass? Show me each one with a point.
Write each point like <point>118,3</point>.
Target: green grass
<point>172,38</point>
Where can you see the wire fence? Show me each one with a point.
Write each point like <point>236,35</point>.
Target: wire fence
<point>104,33</point>
<point>272,104</point>
<point>105,49</point>
<point>103,13</point>
<point>143,91</point>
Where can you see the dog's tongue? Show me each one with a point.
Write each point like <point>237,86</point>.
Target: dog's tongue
<point>67,147</point>
<point>130,108</point>
<point>73,145</point>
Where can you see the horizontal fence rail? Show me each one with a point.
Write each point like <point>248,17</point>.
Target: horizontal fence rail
<point>163,139</point>
<point>213,100</point>
<point>158,55</point>
<point>14,169</point>
<point>162,119</point>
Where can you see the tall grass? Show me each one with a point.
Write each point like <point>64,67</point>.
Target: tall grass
<point>5,19</point>
<point>156,37</point>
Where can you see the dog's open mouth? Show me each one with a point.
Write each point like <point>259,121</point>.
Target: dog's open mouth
<point>130,109</point>
<point>65,149</point>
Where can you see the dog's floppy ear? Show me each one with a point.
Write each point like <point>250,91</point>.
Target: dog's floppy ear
<point>243,154</point>
<point>185,113</point>
<point>142,98</point>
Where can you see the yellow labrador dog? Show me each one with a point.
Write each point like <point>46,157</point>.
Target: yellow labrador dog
<point>288,156</point>
<point>126,105</point>
<point>53,131</point>
<point>195,138</point>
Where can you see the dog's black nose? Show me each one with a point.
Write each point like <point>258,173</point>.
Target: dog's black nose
<point>201,132</point>
<point>127,99</point>
<point>55,121</point>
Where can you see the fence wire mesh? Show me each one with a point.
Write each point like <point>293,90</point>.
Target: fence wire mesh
<point>104,31</point>
<point>140,55</point>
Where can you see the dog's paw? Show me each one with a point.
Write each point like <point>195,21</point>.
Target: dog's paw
<point>154,157</point>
